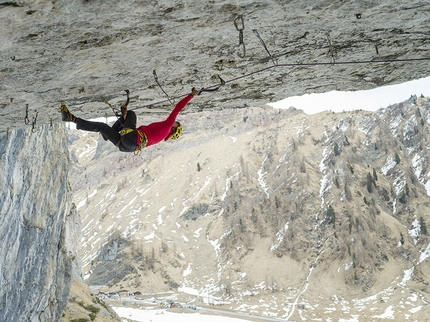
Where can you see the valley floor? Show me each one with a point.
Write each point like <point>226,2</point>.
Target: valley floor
<point>392,304</point>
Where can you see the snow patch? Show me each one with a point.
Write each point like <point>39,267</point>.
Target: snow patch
<point>394,124</point>
<point>389,164</point>
<point>407,276</point>
<point>197,233</point>
<point>415,231</point>
<point>388,314</point>
<point>280,234</point>
<point>227,182</point>
<point>150,236</point>
<point>187,271</point>
<point>425,254</point>
<point>261,176</point>
<point>188,290</point>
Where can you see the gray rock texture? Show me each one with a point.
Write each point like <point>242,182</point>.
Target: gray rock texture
<point>81,52</point>
<point>39,228</point>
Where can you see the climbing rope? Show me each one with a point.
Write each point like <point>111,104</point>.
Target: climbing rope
<point>274,61</point>
<point>159,85</point>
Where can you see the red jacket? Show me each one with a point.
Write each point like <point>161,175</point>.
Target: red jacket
<point>158,131</point>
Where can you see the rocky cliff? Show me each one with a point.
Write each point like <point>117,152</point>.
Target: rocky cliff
<point>39,229</point>
<point>81,52</point>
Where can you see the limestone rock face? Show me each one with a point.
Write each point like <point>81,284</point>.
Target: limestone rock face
<point>81,52</point>
<point>39,228</point>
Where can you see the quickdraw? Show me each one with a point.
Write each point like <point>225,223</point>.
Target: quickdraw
<point>126,131</point>
<point>240,25</point>
<point>33,124</point>
<point>26,119</point>
<point>331,51</point>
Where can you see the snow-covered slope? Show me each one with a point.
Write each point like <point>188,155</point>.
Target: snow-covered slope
<point>268,211</point>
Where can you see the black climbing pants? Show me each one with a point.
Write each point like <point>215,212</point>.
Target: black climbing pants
<point>125,143</point>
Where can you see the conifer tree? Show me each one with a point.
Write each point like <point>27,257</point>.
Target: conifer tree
<point>375,176</point>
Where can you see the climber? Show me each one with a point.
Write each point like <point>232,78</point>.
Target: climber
<point>124,134</point>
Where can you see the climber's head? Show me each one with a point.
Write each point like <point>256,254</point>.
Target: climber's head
<point>176,131</point>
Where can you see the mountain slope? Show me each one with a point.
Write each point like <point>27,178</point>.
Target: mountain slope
<point>258,204</point>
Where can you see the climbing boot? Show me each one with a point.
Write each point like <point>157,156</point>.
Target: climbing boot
<point>66,115</point>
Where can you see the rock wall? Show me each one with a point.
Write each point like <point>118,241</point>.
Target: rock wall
<point>81,52</point>
<point>39,227</point>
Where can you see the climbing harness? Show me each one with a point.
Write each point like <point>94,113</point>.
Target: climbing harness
<point>239,24</point>
<point>126,131</point>
<point>142,138</point>
<point>159,85</point>
<point>26,119</point>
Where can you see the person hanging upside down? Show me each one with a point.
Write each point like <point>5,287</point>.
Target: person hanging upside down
<point>124,134</point>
